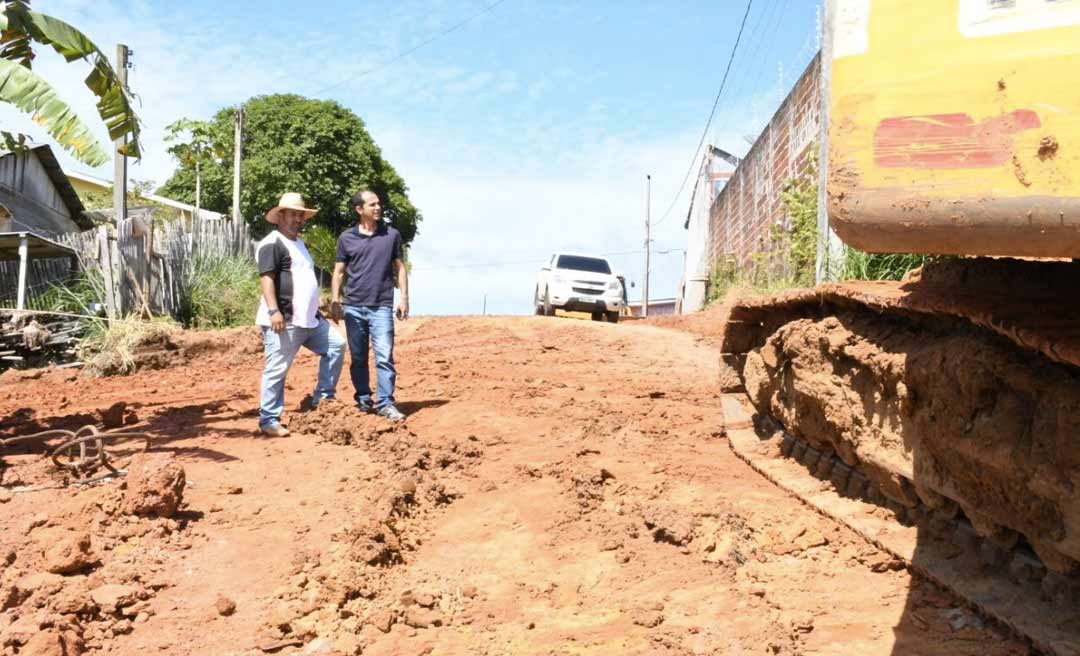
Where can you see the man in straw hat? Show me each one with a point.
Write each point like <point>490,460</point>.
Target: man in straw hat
<point>289,313</point>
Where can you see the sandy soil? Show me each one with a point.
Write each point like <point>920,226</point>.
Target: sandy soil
<point>560,487</point>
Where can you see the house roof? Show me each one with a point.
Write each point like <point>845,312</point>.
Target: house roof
<point>60,181</point>
<point>168,202</point>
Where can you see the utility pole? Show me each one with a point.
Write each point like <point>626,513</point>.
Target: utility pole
<point>238,143</point>
<point>485,305</point>
<point>645,285</point>
<point>120,160</point>
<point>116,307</point>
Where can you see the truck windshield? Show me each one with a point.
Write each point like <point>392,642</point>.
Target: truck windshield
<point>578,263</point>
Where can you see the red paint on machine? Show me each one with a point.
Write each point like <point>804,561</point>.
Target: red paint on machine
<point>949,141</point>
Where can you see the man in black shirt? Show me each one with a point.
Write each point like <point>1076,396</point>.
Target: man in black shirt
<point>289,313</point>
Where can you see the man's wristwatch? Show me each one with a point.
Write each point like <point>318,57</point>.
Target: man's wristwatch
<point>274,311</point>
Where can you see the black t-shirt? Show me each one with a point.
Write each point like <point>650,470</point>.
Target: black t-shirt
<point>295,285</point>
<point>369,265</point>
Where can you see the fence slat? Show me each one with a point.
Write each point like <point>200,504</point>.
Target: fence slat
<point>152,266</point>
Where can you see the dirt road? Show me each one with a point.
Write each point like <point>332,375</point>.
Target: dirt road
<point>560,487</point>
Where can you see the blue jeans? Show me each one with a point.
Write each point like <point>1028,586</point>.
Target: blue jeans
<point>279,351</point>
<point>362,322</point>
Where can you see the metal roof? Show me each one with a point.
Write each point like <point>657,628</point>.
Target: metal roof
<point>60,181</point>
<point>37,246</point>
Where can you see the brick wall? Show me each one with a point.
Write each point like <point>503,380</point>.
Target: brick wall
<point>743,214</point>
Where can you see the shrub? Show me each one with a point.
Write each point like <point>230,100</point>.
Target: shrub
<point>219,291</point>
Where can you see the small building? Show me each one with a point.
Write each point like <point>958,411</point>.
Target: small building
<point>37,205</point>
<point>36,196</point>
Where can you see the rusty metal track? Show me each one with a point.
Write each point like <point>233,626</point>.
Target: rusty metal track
<point>82,452</point>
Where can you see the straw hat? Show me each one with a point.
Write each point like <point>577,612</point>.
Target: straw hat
<point>290,201</point>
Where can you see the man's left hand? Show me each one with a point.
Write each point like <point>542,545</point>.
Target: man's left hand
<point>402,311</point>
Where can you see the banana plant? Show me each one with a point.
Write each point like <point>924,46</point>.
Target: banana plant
<point>20,29</point>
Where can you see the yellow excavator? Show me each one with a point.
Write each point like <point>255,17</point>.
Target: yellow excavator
<point>950,399</point>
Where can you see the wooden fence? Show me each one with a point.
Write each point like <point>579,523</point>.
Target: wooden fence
<point>143,263</point>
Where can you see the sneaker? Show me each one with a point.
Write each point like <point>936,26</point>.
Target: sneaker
<point>274,430</point>
<point>364,406</point>
<point>390,412</point>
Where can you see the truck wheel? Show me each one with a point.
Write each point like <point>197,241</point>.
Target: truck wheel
<point>613,317</point>
<point>538,307</point>
<point>597,316</point>
<point>549,309</point>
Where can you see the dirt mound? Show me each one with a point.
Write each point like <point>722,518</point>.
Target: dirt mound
<point>154,485</point>
<point>339,422</point>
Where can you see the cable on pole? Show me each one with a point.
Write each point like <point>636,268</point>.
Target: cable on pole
<point>716,103</point>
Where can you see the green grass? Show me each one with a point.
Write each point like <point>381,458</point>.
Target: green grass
<point>858,265</point>
<point>76,295</point>
<point>219,292</point>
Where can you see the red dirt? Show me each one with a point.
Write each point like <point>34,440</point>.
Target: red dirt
<point>559,487</point>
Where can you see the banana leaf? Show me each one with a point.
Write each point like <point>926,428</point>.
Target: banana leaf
<point>114,102</point>
<point>32,94</point>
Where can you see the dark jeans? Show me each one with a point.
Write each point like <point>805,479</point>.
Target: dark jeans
<point>377,323</point>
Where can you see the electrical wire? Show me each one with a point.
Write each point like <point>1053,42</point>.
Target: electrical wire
<point>533,261</point>
<point>405,53</point>
<point>716,103</point>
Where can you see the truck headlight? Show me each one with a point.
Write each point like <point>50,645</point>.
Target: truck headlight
<point>613,285</point>
<point>559,279</point>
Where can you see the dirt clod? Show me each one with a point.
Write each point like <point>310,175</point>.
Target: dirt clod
<point>421,618</point>
<point>53,643</point>
<point>113,416</point>
<point>155,485</point>
<point>112,596</point>
<point>68,554</point>
<point>1048,148</point>
<point>225,606</point>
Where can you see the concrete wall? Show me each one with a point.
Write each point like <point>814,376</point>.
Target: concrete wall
<point>743,214</point>
<point>31,198</point>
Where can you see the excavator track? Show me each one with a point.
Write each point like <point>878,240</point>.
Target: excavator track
<point>938,417</point>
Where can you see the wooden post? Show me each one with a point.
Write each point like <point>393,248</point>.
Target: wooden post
<point>24,255</point>
<point>120,160</point>
<point>148,271</point>
<point>116,259</point>
<point>238,144</point>
<point>106,271</point>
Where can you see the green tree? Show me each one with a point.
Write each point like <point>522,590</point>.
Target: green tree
<point>292,143</point>
<point>20,28</point>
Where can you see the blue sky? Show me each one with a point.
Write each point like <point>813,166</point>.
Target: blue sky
<point>528,130</point>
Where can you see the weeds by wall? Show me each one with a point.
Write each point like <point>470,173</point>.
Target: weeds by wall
<point>787,258</point>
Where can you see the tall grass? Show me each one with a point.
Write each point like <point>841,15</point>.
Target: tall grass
<point>80,294</point>
<point>219,291</point>
<point>858,265</point>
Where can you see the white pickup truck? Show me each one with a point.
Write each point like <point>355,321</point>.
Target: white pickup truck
<point>579,283</point>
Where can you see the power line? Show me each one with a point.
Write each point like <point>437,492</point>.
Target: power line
<point>406,53</point>
<point>716,103</point>
<point>481,265</point>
